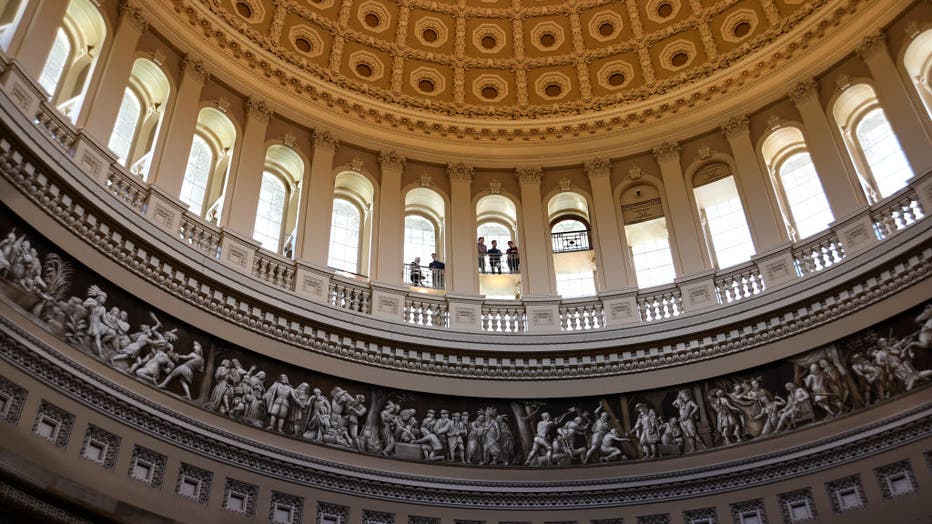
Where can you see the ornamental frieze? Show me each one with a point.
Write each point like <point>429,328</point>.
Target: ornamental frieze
<point>98,318</point>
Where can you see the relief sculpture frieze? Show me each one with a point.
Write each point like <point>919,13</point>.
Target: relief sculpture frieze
<point>164,353</point>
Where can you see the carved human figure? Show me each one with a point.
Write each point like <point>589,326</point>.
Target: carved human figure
<point>599,429</point>
<point>868,377</point>
<point>442,426</point>
<point>455,445</point>
<point>6,251</point>
<point>770,413</point>
<point>491,438</point>
<point>319,421</point>
<point>253,385</point>
<point>154,365</point>
<point>299,409</point>
<point>688,413</point>
<point>671,434</point>
<point>541,440</point>
<point>184,372</point>
<point>835,383</point>
<point>797,400</point>
<point>507,439</point>
<point>647,429</point>
<point>727,416</point>
<point>139,341</point>
<point>431,445</point>
<point>565,441</point>
<point>924,335</point>
<point>96,311</point>
<point>279,398</point>
<point>356,409</point>
<point>386,417</point>
<point>116,337</point>
<point>608,447</point>
<point>474,439</point>
<point>822,393</point>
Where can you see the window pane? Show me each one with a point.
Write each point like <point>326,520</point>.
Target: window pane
<point>420,239</point>
<point>194,187</point>
<point>571,285</point>
<point>344,236</point>
<point>882,151</point>
<point>725,221</point>
<point>55,64</point>
<point>269,212</point>
<point>805,196</point>
<point>566,226</point>
<point>494,231</point>
<point>125,128</point>
<point>650,252</point>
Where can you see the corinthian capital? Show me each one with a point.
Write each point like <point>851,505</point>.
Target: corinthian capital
<point>804,91</point>
<point>667,151</point>
<point>258,109</point>
<point>325,140</point>
<point>391,160</point>
<point>195,68</point>
<point>529,175</point>
<point>872,44</point>
<point>735,126</point>
<point>133,15</point>
<point>460,172</point>
<point>598,167</point>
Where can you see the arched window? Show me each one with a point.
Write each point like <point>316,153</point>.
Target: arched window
<point>798,187</point>
<point>569,235</point>
<point>647,236</point>
<point>197,174</point>
<point>345,232</point>
<point>497,220</point>
<point>918,63</point>
<point>55,63</point>
<point>121,140</point>
<point>269,214</point>
<point>874,148</point>
<point>420,239</point>
<point>723,220</point>
<point>496,231</point>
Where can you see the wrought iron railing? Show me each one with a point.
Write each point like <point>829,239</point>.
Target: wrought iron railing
<point>570,241</point>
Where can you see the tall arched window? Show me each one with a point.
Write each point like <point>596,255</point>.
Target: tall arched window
<point>126,124</point>
<point>420,239</point>
<point>798,187</point>
<point>874,148</point>
<point>345,232</point>
<point>55,63</point>
<point>269,214</point>
<point>496,231</point>
<point>197,174</point>
<point>918,63</point>
<point>647,236</point>
<point>722,215</point>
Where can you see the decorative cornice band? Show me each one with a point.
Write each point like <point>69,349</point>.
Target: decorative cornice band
<point>135,410</point>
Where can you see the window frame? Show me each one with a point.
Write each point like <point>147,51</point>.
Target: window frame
<point>284,180</point>
<point>354,201</point>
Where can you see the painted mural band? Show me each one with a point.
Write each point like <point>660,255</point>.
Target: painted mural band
<point>107,322</point>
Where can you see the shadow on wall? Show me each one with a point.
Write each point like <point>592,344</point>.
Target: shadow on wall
<point>106,322</point>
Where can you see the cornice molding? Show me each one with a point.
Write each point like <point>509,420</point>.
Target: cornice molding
<point>391,161</point>
<point>134,15</point>
<point>460,172</point>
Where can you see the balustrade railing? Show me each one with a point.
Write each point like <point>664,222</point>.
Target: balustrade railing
<point>570,241</point>
<point>506,317</point>
<point>346,294</point>
<point>896,212</point>
<point>274,269</point>
<point>817,253</point>
<point>581,316</point>
<point>660,305</point>
<point>426,311</point>
<point>199,235</point>
<point>739,283</point>
<point>424,276</point>
<point>56,126</point>
<point>128,188</point>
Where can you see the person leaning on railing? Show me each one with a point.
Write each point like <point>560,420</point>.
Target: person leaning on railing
<point>512,257</point>
<point>482,250</point>
<point>415,272</point>
<point>495,258</point>
<point>436,271</point>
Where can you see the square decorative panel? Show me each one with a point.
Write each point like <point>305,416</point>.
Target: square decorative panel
<point>194,483</point>
<point>749,512</point>
<point>332,514</point>
<point>846,493</point>
<point>147,466</point>
<point>53,424</point>
<point>286,509</point>
<point>896,479</point>
<point>660,518</point>
<point>12,398</point>
<point>240,497</point>
<point>100,446</point>
<point>377,517</point>
<point>423,520</point>
<point>701,516</point>
<point>797,506</point>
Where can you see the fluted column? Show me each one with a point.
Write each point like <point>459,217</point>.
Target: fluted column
<point>895,100</point>
<point>242,196</point>
<point>687,232</point>
<point>842,190</point>
<point>317,201</point>
<point>36,34</point>
<point>168,168</point>
<point>99,112</point>
<point>535,256</point>
<point>391,220</point>
<point>765,221</point>
<point>461,264</point>
<point>614,260</point>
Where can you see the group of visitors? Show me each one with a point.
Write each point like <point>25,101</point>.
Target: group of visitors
<point>494,255</point>
<point>436,268</point>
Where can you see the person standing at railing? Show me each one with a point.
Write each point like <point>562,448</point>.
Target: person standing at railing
<point>415,272</point>
<point>495,258</point>
<point>512,258</point>
<point>482,251</point>
<point>436,271</point>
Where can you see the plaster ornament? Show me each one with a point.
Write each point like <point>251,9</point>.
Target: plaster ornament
<point>495,187</point>
<point>842,82</point>
<point>705,152</point>
<point>565,184</point>
<point>356,164</point>
<point>289,139</point>
<point>222,104</point>
<point>635,173</point>
<point>774,122</point>
<point>425,180</point>
<point>158,56</point>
